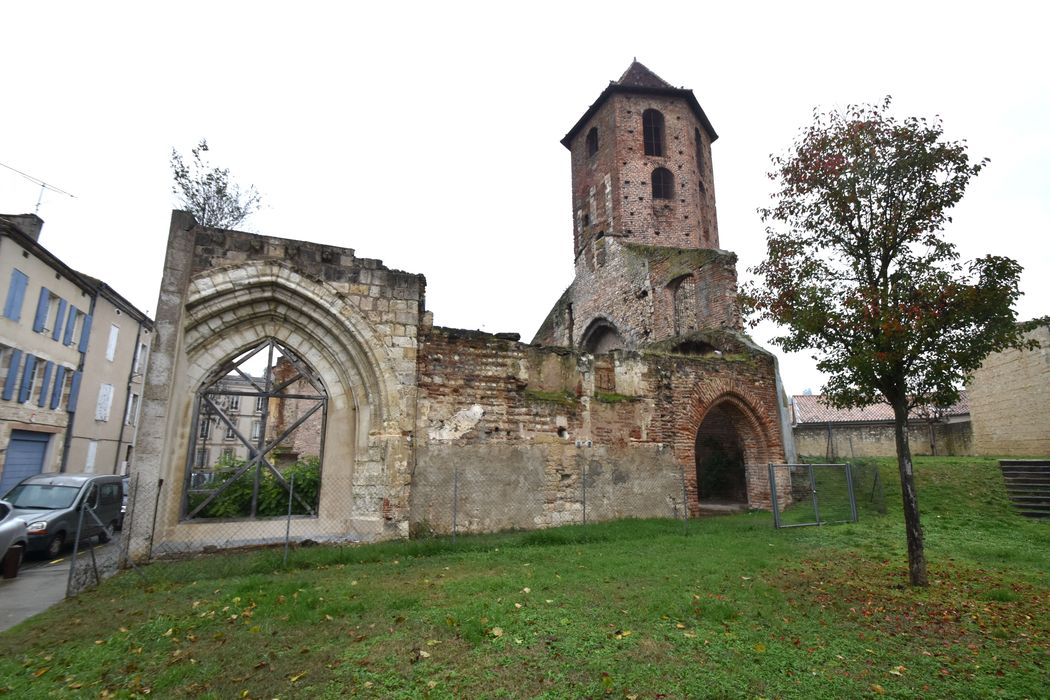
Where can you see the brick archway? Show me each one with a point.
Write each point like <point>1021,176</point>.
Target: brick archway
<point>748,431</point>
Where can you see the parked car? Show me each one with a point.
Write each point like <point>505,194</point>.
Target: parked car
<point>13,540</point>
<point>51,505</point>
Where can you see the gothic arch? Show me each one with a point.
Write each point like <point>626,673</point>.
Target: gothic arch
<point>230,309</point>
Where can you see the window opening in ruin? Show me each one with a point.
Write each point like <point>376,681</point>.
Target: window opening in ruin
<point>653,132</point>
<point>282,438</point>
<point>720,474</point>
<point>601,337</point>
<point>592,141</point>
<point>663,184</point>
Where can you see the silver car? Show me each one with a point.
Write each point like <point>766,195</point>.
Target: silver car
<point>13,540</point>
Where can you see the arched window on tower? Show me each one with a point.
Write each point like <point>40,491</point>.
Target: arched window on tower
<point>592,141</point>
<point>653,132</point>
<point>663,184</point>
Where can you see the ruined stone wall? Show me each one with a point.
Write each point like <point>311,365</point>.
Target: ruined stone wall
<point>1010,401</point>
<point>877,440</point>
<point>522,425</point>
<point>637,288</point>
<point>354,322</point>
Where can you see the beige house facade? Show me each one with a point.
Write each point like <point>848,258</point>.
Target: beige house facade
<point>54,362</point>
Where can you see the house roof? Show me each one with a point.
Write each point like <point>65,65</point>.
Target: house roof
<point>812,409</point>
<point>638,79</point>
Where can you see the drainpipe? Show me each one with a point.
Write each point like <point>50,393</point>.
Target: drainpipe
<point>127,397</point>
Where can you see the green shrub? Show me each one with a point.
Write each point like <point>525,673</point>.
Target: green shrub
<point>235,500</point>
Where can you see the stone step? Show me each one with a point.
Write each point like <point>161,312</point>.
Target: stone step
<point>1028,486</point>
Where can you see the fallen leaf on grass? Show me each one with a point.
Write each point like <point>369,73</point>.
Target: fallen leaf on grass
<point>497,632</point>
<point>878,689</point>
<point>41,671</point>
<point>296,677</point>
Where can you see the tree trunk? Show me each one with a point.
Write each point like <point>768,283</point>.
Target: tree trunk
<point>912,526</point>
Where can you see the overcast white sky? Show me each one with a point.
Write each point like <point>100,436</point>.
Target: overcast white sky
<point>426,134</point>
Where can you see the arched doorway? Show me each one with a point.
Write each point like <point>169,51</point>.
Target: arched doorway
<point>721,455</point>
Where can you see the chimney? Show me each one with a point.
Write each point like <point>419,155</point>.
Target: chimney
<point>29,224</point>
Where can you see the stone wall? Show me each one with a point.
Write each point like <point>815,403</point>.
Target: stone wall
<point>522,424</point>
<point>1010,401</point>
<point>354,322</point>
<point>877,440</point>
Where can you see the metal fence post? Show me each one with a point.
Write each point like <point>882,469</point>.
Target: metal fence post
<point>153,526</point>
<point>813,489</point>
<point>455,502</point>
<point>773,495</point>
<point>584,495</point>
<point>76,546</point>
<point>685,503</point>
<point>288,522</point>
<point>849,489</point>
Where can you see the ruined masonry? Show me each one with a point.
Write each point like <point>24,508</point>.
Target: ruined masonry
<point>640,372</point>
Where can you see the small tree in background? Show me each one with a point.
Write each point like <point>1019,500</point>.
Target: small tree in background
<point>209,193</point>
<point>857,268</point>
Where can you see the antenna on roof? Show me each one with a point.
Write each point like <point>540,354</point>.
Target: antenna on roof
<point>43,186</point>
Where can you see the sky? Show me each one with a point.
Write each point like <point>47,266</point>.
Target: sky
<point>427,134</point>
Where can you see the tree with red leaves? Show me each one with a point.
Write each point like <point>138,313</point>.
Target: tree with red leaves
<point>858,269</point>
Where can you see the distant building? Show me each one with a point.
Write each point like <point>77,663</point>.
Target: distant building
<point>73,354</point>
<point>842,434</point>
<point>1010,399</point>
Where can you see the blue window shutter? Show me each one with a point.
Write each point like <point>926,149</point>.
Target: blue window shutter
<point>16,294</point>
<point>27,379</point>
<point>12,375</point>
<point>85,334</point>
<point>74,393</point>
<point>71,325</point>
<point>41,310</point>
<point>48,368</point>
<point>60,380</point>
<point>57,332</point>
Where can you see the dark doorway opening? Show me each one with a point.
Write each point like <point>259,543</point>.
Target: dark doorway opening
<point>720,475</point>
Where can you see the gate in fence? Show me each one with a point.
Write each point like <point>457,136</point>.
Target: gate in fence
<point>812,494</point>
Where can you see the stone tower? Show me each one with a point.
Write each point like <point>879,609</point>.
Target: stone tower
<point>645,232</point>
<point>641,166</point>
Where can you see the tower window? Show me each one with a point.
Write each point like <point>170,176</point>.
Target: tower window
<point>592,141</point>
<point>663,184</point>
<point>653,132</point>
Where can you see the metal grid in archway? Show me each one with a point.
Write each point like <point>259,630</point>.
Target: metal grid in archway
<point>259,424</point>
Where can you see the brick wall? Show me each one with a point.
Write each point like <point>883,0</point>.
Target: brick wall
<point>612,190</point>
<point>490,407</point>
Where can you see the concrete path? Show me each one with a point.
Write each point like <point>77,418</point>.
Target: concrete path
<point>34,590</point>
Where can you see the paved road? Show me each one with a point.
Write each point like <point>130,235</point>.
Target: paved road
<point>41,583</point>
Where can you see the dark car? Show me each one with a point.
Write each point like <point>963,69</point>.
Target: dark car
<point>52,505</point>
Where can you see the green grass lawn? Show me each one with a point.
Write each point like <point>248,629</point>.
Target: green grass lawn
<point>732,609</point>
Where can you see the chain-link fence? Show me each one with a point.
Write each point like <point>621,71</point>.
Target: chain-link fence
<point>823,494</point>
